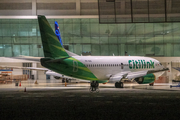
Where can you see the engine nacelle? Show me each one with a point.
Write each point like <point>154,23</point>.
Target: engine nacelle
<point>150,78</point>
<point>56,77</point>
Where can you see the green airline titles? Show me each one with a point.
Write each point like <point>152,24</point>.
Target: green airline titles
<point>140,64</point>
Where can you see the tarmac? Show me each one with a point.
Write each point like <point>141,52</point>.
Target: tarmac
<point>52,100</point>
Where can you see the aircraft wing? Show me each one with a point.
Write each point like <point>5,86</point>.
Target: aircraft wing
<point>119,76</point>
<point>49,72</point>
<point>131,75</point>
<point>30,68</point>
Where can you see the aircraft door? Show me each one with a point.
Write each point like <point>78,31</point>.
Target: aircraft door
<point>75,66</point>
<point>122,66</point>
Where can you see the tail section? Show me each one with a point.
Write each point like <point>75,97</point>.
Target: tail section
<point>58,34</point>
<point>51,46</point>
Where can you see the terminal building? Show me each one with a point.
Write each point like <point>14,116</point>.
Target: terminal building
<point>92,27</point>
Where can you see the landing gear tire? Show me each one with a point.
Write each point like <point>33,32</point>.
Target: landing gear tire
<point>116,85</point>
<point>94,87</point>
<point>151,84</point>
<point>119,85</point>
<point>63,80</point>
<point>67,80</point>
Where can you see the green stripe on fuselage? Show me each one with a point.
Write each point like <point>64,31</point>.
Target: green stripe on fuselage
<point>70,67</point>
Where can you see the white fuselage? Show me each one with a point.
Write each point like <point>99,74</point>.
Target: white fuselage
<point>104,66</point>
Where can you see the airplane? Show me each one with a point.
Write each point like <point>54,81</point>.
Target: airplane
<point>97,69</point>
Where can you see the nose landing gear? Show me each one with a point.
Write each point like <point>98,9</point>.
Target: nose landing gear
<point>151,84</point>
<point>94,86</point>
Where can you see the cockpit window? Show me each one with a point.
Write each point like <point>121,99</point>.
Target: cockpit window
<point>160,63</point>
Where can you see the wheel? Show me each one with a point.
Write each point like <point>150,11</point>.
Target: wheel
<point>90,89</point>
<point>63,80</point>
<point>121,84</point>
<point>97,84</point>
<point>151,84</point>
<point>116,84</point>
<point>94,84</point>
<point>67,80</point>
<point>97,90</point>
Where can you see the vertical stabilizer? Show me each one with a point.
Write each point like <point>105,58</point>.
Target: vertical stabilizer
<point>51,46</point>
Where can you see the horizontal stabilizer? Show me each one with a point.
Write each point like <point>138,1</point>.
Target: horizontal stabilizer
<point>56,60</point>
<point>26,68</point>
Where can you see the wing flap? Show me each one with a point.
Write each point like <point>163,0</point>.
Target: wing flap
<point>136,74</point>
<point>131,75</point>
<point>119,76</point>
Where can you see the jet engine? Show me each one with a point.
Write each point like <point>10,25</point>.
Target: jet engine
<point>149,78</point>
<point>56,77</point>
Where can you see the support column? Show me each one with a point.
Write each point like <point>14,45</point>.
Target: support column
<point>168,65</point>
<point>34,10</point>
<point>122,7</point>
<point>169,5</point>
<point>34,72</point>
<point>78,7</point>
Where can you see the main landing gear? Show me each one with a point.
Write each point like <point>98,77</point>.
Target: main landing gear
<point>65,80</point>
<point>119,85</point>
<point>94,86</point>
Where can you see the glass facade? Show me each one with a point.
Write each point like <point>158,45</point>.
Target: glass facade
<point>22,37</point>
